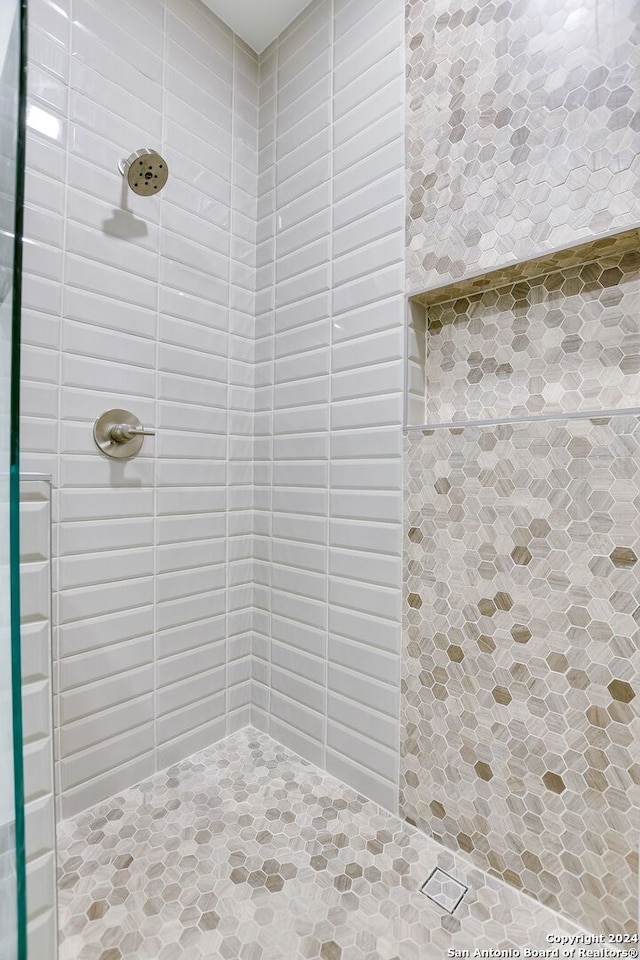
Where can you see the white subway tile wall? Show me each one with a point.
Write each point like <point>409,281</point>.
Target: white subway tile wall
<point>37,685</point>
<point>247,564</point>
<point>147,305</point>
<point>328,397</point>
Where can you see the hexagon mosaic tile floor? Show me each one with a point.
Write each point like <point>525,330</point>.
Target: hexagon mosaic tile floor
<point>247,851</point>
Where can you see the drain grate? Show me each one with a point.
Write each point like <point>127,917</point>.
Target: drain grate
<point>444,890</point>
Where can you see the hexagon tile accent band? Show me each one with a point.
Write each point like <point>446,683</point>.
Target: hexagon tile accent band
<point>521,725</point>
<point>522,131</point>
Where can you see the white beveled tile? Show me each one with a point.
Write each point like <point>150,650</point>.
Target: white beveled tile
<point>109,94</point>
<point>308,125</point>
<point>281,435</point>
<point>110,63</point>
<point>53,18</point>
<point>310,28</point>
<point>200,32</point>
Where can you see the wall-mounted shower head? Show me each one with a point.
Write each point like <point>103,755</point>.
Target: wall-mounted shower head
<point>145,171</point>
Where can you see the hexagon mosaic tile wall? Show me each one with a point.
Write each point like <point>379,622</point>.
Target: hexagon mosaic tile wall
<point>521,714</point>
<point>247,852</point>
<point>522,130</point>
<point>565,342</point>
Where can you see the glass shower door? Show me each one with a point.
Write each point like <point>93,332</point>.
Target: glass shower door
<point>12,854</point>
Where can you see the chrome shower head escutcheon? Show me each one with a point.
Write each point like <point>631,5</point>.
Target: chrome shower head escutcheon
<point>145,171</point>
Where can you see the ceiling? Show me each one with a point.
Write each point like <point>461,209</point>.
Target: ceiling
<point>258,22</point>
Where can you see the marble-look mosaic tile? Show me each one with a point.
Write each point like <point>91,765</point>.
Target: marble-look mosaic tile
<point>246,851</point>
<point>537,265</point>
<point>521,721</point>
<point>522,130</point>
<point>565,342</point>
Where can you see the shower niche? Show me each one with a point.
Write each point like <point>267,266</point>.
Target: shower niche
<point>555,334</point>
<point>521,705</point>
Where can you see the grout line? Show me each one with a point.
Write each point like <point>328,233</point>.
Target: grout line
<point>156,410</point>
<point>52,708</point>
<point>407,326</point>
<point>229,445</point>
<point>56,486</point>
<point>274,286</point>
<point>332,95</point>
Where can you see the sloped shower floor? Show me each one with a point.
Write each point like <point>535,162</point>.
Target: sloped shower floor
<point>247,851</point>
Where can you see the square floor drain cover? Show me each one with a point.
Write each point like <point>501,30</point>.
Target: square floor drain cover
<point>444,890</point>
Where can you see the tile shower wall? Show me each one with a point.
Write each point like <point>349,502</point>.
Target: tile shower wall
<point>521,722</point>
<point>521,133</point>
<point>152,558</point>
<point>37,681</point>
<point>329,347</point>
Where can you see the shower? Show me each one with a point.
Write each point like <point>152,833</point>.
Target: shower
<point>329,466</point>
<point>145,171</point>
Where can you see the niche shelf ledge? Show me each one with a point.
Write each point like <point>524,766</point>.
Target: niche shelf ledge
<point>542,264</point>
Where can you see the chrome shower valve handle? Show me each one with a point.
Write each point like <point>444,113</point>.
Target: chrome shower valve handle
<point>119,434</point>
<point>123,432</point>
